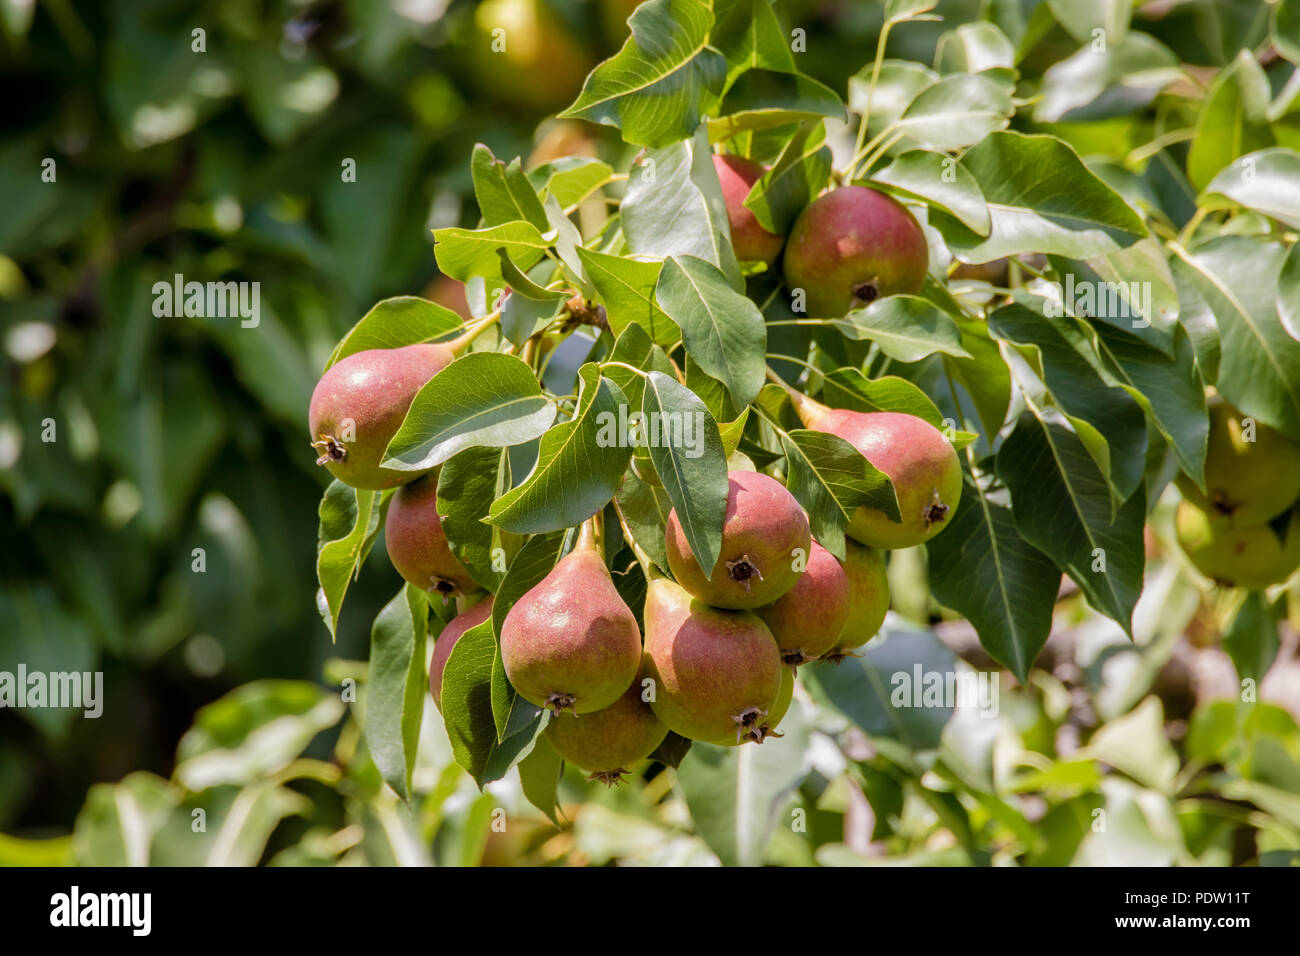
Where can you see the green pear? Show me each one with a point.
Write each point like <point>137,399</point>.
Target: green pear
<point>1251,558</point>
<point>610,741</point>
<point>869,586</point>
<point>807,620</point>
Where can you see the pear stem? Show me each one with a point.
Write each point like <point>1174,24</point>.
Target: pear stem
<point>808,409</point>
<point>647,566</point>
<point>590,537</point>
<point>463,341</point>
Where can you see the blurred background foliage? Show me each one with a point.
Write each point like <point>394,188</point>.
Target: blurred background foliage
<point>220,155</point>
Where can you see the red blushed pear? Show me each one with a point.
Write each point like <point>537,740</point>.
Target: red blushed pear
<point>852,246</point>
<point>571,643</point>
<point>912,453</point>
<point>609,742</point>
<point>751,242</point>
<point>361,401</point>
<point>417,545</point>
<point>445,641</point>
<point>765,540</point>
<point>869,599</point>
<point>807,620</point>
<point>772,721</point>
<point>716,673</point>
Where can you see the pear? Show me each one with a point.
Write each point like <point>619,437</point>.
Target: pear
<point>417,545</point>
<point>807,620</point>
<point>610,741</point>
<point>751,242</point>
<point>570,643</point>
<point>1251,558</point>
<point>361,401</point>
<point>914,455</point>
<point>852,246</point>
<point>764,535</point>
<point>869,586</point>
<point>772,721</point>
<point>445,641</point>
<point>1249,478</point>
<point>716,673</point>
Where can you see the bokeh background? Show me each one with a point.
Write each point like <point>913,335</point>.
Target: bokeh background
<point>179,433</point>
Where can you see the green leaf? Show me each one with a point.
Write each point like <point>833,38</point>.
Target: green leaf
<point>939,180</point>
<point>984,376</point>
<point>1252,640</point>
<point>627,290</point>
<point>974,47</point>
<point>737,795</point>
<point>694,471</point>
<point>801,172</point>
<point>663,81</point>
<point>1081,19</point>
<point>396,687</point>
<point>468,713</point>
<point>118,821</point>
<point>1105,417</point>
<point>1062,506</point>
<point>906,327</point>
<point>392,323</point>
<point>253,732</point>
<point>674,207</point>
<point>1232,121</point>
<point>539,775</point>
<point>849,388</point>
<point>633,347</point>
<point>468,253</point>
<point>348,519</point>
<point>1288,293</point>
<point>571,179</point>
<point>1041,198</point>
<point>1267,181</point>
<point>749,36</point>
<point>468,483</point>
<point>504,193</point>
<point>1132,289</point>
<point>864,689</point>
<point>899,82</point>
<point>484,398</point>
<point>723,330</point>
<point>1259,366</point>
<point>763,99</point>
<point>831,479</point>
<point>579,464</point>
<point>958,111</point>
<point>983,569</point>
<point>645,507</point>
<point>1130,71</point>
<point>1284,28</point>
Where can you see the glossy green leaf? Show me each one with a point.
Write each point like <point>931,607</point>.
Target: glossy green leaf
<point>392,323</point>
<point>396,687</point>
<point>939,180</point>
<point>906,327</point>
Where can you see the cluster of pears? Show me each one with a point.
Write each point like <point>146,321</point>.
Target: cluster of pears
<point>1244,529</point>
<point>849,247</point>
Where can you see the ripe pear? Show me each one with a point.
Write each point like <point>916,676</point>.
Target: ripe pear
<point>751,242</point>
<point>361,401</point>
<point>610,741</point>
<point>716,673</point>
<point>445,641</point>
<point>920,462</point>
<point>772,721</point>
<point>417,545</point>
<point>1247,482</point>
<point>852,246</point>
<point>807,619</point>
<point>1251,558</point>
<point>571,643</point>
<point>524,54</point>
<point>764,534</point>
<point>869,586</point>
